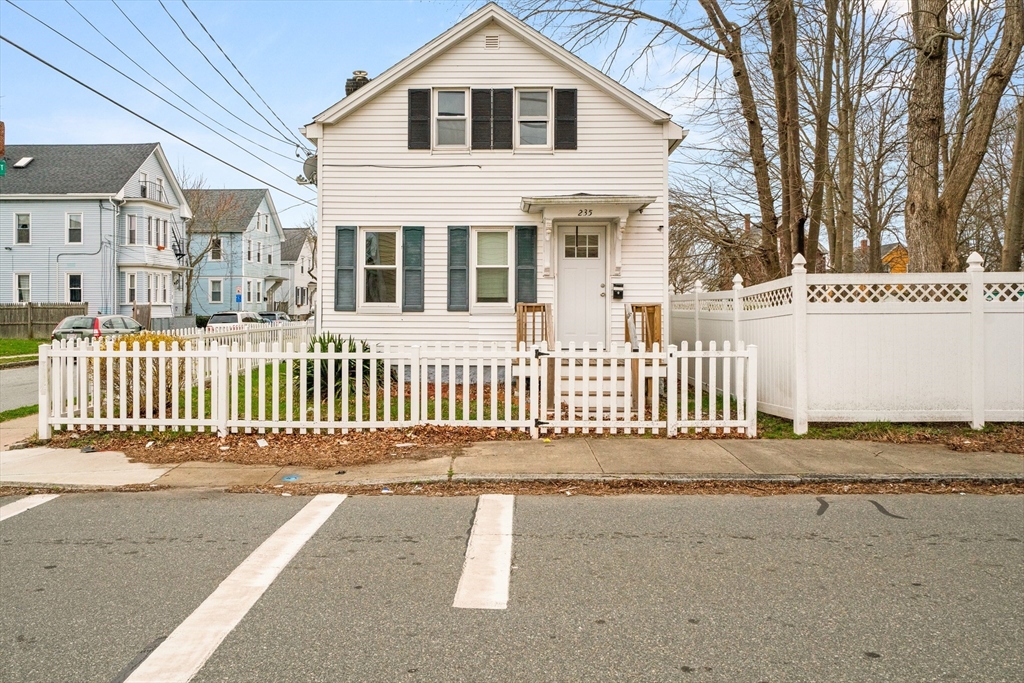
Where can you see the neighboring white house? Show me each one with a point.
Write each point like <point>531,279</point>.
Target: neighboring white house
<point>98,224</point>
<point>490,167</point>
<point>297,254</point>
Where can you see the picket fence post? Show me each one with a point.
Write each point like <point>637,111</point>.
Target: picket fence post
<point>414,387</point>
<point>44,392</point>
<point>672,377</point>
<point>752,392</point>
<point>737,305</point>
<point>799,345</point>
<point>976,295</point>
<point>221,376</point>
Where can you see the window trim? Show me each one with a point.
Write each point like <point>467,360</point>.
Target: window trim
<point>131,287</point>
<point>131,224</point>
<point>149,231</point>
<point>67,288</point>
<point>67,227</point>
<point>209,290</point>
<point>361,304</point>
<point>492,307</point>
<point>16,242</point>
<point>436,116</point>
<point>219,249</point>
<point>548,118</point>
<point>16,290</point>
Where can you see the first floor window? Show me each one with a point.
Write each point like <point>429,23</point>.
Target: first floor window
<point>216,291</point>
<point>492,271</point>
<point>132,227</point>
<point>259,290</point>
<point>149,288</point>
<point>75,288</point>
<point>163,288</point>
<point>23,228</point>
<point>23,283</point>
<point>74,228</point>
<point>215,250</point>
<point>131,286</point>
<point>297,297</point>
<point>248,291</point>
<point>380,267</point>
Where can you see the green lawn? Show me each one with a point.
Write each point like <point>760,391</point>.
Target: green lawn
<point>18,347</point>
<point>18,412</point>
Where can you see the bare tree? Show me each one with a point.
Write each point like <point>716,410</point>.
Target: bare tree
<point>1013,242</point>
<point>211,212</point>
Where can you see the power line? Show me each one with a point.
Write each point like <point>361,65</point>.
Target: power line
<point>155,125</point>
<point>301,142</point>
<point>214,66</point>
<point>167,102</point>
<point>208,96</point>
<point>167,87</point>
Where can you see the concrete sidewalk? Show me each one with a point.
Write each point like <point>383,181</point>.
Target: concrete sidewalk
<point>565,458</point>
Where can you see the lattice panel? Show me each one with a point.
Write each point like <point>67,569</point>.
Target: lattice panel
<point>684,305</point>
<point>770,299</point>
<point>1009,292</point>
<point>716,305</point>
<point>937,292</point>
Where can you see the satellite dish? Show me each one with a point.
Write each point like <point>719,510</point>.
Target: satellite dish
<point>309,169</point>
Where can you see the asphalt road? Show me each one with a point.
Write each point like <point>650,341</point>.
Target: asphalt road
<point>681,588</point>
<point>19,387</point>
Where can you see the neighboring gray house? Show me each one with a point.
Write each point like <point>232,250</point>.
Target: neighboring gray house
<point>299,257</point>
<point>92,223</point>
<point>234,243</point>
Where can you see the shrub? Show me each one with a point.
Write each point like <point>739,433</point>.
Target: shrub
<point>201,320</point>
<point>341,344</point>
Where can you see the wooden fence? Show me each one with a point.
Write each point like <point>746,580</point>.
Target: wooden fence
<point>874,347</point>
<point>35,321</point>
<point>269,387</point>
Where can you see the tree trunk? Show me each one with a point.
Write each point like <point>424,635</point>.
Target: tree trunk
<point>821,133</point>
<point>1012,236</point>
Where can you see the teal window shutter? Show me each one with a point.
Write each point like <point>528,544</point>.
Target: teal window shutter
<point>458,268</point>
<point>345,268</point>
<point>412,268</point>
<point>526,264</point>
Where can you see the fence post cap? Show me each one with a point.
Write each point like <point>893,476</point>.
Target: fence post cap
<point>975,262</point>
<point>799,262</point>
<point>698,286</point>
<point>737,281</point>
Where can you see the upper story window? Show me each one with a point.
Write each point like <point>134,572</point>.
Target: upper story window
<point>22,228</point>
<point>451,118</point>
<point>248,250</point>
<point>534,114</point>
<point>259,252</point>
<point>131,230</point>
<point>74,228</point>
<point>149,231</point>
<point>216,254</point>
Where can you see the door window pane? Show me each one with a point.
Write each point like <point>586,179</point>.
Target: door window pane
<point>582,246</point>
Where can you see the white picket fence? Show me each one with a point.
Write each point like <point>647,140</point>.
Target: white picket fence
<point>269,387</point>
<point>874,347</point>
<point>297,333</point>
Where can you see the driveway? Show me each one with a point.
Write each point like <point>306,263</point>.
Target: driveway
<point>19,387</point>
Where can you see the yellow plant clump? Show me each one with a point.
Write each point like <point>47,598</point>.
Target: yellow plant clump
<point>142,338</point>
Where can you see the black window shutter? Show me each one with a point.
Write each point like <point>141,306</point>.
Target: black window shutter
<point>419,119</point>
<point>565,119</point>
<point>481,119</point>
<point>458,268</point>
<point>412,268</point>
<point>526,264</point>
<point>502,109</point>
<point>345,269</point>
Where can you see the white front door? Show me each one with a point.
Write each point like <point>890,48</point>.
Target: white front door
<point>582,285</point>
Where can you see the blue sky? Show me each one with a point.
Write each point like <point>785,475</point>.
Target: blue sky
<point>296,54</point>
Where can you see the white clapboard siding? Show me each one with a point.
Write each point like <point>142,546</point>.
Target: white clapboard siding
<point>870,347</point>
<point>260,387</point>
<point>369,178</point>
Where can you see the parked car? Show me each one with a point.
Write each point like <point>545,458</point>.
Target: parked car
<point>234,319</point>
<point>276,317</point>
<point>94,327</point>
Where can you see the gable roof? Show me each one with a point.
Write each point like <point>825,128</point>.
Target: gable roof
<point>294,240</point>
<point>474,22</point>
<point>73,169</point>
<point>236,206</point>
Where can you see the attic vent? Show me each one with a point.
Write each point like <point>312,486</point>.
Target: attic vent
<point>491,42</point>
<point>23,162</point>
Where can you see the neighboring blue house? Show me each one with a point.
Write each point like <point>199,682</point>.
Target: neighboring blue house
<point>99,224</point>
<point>234,243</point>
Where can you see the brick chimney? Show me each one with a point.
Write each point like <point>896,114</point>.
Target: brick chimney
<point>358,80</point>
<point>864,246</point>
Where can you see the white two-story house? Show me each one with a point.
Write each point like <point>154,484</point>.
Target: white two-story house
<point>491,167</point>
<point>96,224</point>
<point>297,254</point>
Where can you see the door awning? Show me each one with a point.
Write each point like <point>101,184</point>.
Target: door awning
<point>611,202</point>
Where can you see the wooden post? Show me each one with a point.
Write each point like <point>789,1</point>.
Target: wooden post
<point>799,275</point>
<point>976,295</point>
<point>29,308</point>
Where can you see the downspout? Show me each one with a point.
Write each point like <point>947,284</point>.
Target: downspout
<point>116,309</point>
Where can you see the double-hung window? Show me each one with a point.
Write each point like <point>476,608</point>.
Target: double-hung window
<point>248,250</point>
<point>130,285</point>
<point>215,249</point>
<point>216,291</point>
<point>149,231</point>
<point>492,251</point>
<point>23,285</point>
<point>248,291</point>
<point>259,252</point>
<point>74,228</point>
<point>380,250</point>
<point>163,288</point>
<point>75,288</point>
<point>259,291</point>
<point>534,116</point>
<point>451,118</point>
<point>22,228</point>
<point>131,230</point>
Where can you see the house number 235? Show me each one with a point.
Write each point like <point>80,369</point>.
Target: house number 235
<point>586,212</point>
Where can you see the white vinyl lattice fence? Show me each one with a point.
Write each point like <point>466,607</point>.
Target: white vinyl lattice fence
<point>874,347</point>
<point>270,387</point>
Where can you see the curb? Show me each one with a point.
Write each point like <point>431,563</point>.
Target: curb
<point>19,364</point>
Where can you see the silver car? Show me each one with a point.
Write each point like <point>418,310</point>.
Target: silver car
<point>94,327</point>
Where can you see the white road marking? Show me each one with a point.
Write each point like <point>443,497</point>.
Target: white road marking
<point>488,567</point>
<point>26,503</point>
<point>186,650</point>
